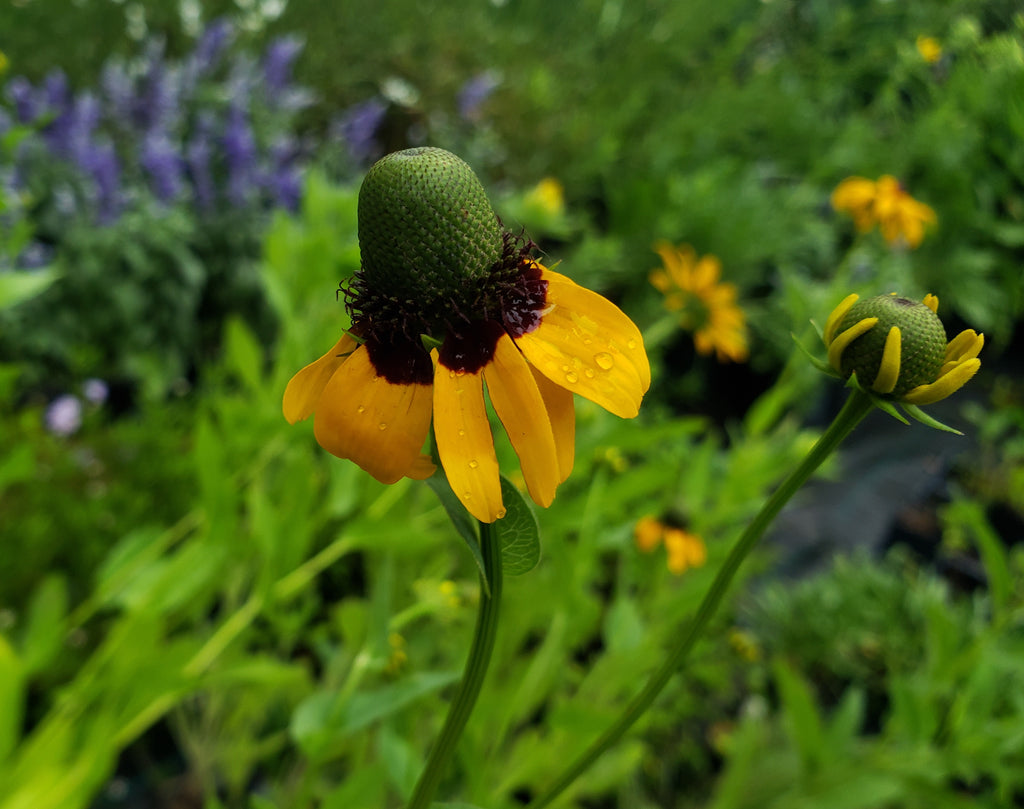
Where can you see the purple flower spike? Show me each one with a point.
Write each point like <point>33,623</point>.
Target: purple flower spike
<point>64,415</point>
<point>23,95</point>
<point>240,151</point>
<point>161,161</point>
<point>102,165</point>
<point>474,93</point>
<point>197,158</point>
<point>277,64</point>
<point>211,46</point>
<point>359,125</point>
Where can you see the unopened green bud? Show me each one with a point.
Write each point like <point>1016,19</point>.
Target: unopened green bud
<point>426,227</point>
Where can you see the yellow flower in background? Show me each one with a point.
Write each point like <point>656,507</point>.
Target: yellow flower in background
<point>900,218</point>
<point>684,549</point>
<point>446,303</point>
<point>705,305</point>
<point>897,348</point>
<point>929,48</point>
<point>4,63</point>
<point>548,197</point>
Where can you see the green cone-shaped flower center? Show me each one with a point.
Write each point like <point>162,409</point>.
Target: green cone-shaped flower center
<point>923,341</point>
<point>427,232</point>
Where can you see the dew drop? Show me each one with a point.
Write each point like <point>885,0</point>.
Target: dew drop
<point>501,513</point>
<point>462,432</point>
<point>588,373</point>
<point>572,378</point>
<point>360,409</point>
<point>631,344</point>
<point>604,360</point>
<point>451,374</point>
<point>382,426</point>
<point>467,495</point>
<point>474,464</point>
<point>566,368</point>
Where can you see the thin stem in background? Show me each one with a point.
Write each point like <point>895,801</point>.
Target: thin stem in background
<point>473,674</point>
<point>856,407</point>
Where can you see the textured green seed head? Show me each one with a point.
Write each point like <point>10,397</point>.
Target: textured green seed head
<point>923,345</point>
<point>426,228</point>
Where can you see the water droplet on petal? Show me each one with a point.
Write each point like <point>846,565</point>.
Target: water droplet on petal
<point>462,432</point>
<point>572,378</point>
<point>474,464</point>
<point>382,426</point>
<point>604,360</point>
<point>360,409</point>
<point>588,373</point>
<point>501,513</point>
<point>631,344</point>
<point>566,368</point>
<point>451,374</point>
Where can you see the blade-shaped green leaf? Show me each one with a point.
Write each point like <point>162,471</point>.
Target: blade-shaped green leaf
<point>460,518</point>
<point>16,287</point>
<point>518,533</point>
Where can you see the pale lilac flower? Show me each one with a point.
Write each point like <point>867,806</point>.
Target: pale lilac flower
<point>358,126</point>
<point>64,415</point>
<point>95,391</point>
<point>277,64</point>
<point>474,93</point>
<point>211,45</point>
<point>197,158</point>
<point>240,152</point>
<point>161,161</point>
<point>23,96</point>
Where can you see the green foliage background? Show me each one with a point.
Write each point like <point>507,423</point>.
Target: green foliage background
<point>198,604</point>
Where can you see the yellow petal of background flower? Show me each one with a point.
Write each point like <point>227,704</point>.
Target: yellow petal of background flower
<point>519,405</point>
<point>586,344</point>
<point>304,389</point>
<point>380,426</point>
<point>562,415</point>
<point>465,443</point>
<point>943,386</point>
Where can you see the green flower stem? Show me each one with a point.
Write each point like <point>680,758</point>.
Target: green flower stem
<point>472,675</point>
<point>856,407</point>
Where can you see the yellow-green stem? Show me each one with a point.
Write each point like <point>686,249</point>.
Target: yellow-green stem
<point>472,675</point>
<point>856,407</point>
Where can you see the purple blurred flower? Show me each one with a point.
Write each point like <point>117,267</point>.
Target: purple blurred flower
<point>198,152</point>
<point>102,165</point>
<point>23,95</point>
<point>474,93</point>
<point>277,64</point>
<point>240,154</point>
<point>95,391</point>
<point>64,415</point>
<point>5,121</point>
<point>118,91</point>
<point>211,45</point>
<point>56,90</point>
<point>156,103</point>
<point>358,126</point>
<point>160,159</point>
<point>36,255</point>
<point>284,180</point>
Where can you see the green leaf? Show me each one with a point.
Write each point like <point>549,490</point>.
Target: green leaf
<point>45,624</point>
<point>801,713</point>
<point>917,413</point>
<point>12,701</point>
<point>16,287</point>
<point>463,522</point>
<point>518,533</point>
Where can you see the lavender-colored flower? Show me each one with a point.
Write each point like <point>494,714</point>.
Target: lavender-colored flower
<point>358,126</point>
<point>198,152</point>
<point>284,179</point>
<point>5,121</point>
<point>161,161</point>
<point>95,391</point>
<point>211,46</point>
<point>23,95</point>
<point>35,255</point>
<point>118,91</point>
<point>64,415</point>
<point>156,103</point>
<point>102,165</point>
<point>77,134</point>
<point>277,64</point>
<point>56,90</point>
<point>240,154</point>
<point>474,93</point>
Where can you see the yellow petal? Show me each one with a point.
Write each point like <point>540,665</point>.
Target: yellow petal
<point>945,385</point>
<point>562,415</point>
<point>837,316</point>
<point>519,405</point>
<point>844,338</point>
<point>465,443</point>
<point>363,417</point>
<point>648,533</point>
<point>587,345</point>
<point>889,369</point>
<point>305,388</point>
<point>965,346</point>
<point>932,302</point>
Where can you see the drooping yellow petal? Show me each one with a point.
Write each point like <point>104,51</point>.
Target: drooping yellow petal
<point>889,369</point>
<point>305,388</point>
<point>943,386</point>
<point>844,338</point>
<point>932,302</point>
<point>587,345</point>
<point>465,443</point>
<point>381,426</point>
<point>519,405</point>
<point>837,316</point>
<point>562,415</point>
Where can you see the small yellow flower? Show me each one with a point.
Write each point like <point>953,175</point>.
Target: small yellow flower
<point>547,196</point>
<point>897,349</point>
<point>900,218</point>
<point>444,303</point>
<point>929,48</point>
<point>398,657</point>
<point>706,306</point>
<point>745,644</point>
<point>684,548</point>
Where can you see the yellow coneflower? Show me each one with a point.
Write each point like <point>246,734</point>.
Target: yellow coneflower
<point>900,218</point>
<point>684,549</point>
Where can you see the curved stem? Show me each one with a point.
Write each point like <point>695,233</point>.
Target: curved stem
<point>857,406</point>
<point>472,675</point>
